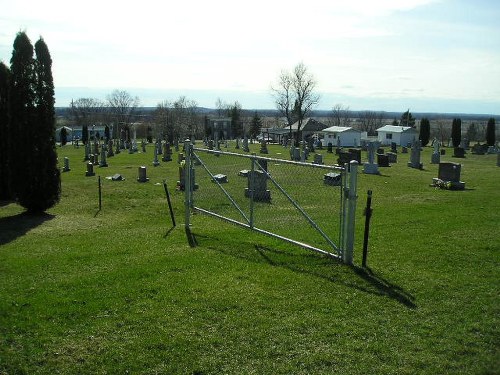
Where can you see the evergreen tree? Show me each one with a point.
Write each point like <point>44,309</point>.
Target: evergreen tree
<point>45,186</point>
<point>456,132</point>
<point>255,125</point>
<point>64,136</point>
<point>4,132</point>
<point>35,177</point>
<point>235,115</point>
<point>490,132</point>
<point>425,131</point>
<point>85,134</point>
<point>407,119</point>
<point>106,133</point>
<point>22,113</point>
<point>472,132</point>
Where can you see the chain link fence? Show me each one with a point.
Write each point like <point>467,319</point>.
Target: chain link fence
<point>301,202</point>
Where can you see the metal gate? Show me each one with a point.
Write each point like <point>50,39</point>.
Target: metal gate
<point>307,204</point>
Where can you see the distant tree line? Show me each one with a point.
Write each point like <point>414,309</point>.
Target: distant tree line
<point>28,168</point>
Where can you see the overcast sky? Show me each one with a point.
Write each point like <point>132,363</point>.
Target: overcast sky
<point>426,55</point>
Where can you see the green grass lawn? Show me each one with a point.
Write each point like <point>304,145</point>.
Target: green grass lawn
<point>121,291</point>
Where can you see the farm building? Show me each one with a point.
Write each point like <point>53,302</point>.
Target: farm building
<point>309,127</point>
<point>341,136</point>
<point>401,135</point>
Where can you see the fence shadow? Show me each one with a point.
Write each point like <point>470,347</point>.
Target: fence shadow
<point>315,265</point>
<point>372,283</point>
<point>13,227</point>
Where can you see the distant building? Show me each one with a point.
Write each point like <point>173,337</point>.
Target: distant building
<point>309,128</point>
<point>341,136</point>
<point>401,135</point>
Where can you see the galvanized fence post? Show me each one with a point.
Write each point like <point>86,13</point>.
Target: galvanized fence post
<point>188,149</point>
<point>349,224</point>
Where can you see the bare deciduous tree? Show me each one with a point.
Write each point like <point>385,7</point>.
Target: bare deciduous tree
<point>340,116</point>
<point>87,111</point>
<point>122,107</point>
<point>294,95</point>
<point>369,121</point>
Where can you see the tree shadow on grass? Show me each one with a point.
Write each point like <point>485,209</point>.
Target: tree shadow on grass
<point>315,265</point>
<point>13,227</point>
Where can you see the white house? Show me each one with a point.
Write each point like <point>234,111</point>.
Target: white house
<point>341,136</point>
<point>401,135</point>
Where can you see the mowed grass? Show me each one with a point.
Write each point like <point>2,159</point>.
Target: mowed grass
<point>121,291</point>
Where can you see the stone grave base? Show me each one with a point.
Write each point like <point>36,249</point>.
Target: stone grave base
<point>435,158</point>
<point>449,185</point>
<point>332,179</point>
<point>180,186</point>
<point>260,196</point>
<point>371,168</point>
<point>419,166</point>
<point>220,178</point>
<point>243,173</point>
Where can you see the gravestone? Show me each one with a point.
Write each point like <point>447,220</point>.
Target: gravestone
<point>180,157</point>
<point>245,144</point>
<point>257,187</point>
<point>436,156</point>
<point>449,177</point>
<point>110,149</point>
<point>237,144</point>
<point>355,154</point>
<point>344,157</point>
<point>459,152</point>
<point>383,160</point>
<point>96,148</point>
<point>393,157</point>
<point>210,144</point>
<point>117,150</point>
<point>263,147</point>
<point>90,170</point>
<point>303,156</point>
<point>380,150</point>
<point>442,152</point>
<point>318,159</point>
<point>263,164</point>
<point>142,174</point>
<point>404,150</point>
<point>415,155</point>
<point>332,179</point>
<point>96,159</point>
<point>159,147</point>
<point>394,147</point>
<point>103,162</point>
<point>181,185</point>
<point>167,154</point>
<point>87,152</point>
<point>66,164</point>
<point>329,148</point>
<point>143,146</point>
<point>155,160</point>
<point>295,153</point>
<point>371,167</point>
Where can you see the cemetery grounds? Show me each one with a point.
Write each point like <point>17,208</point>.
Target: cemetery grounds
<point>120,290</point>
